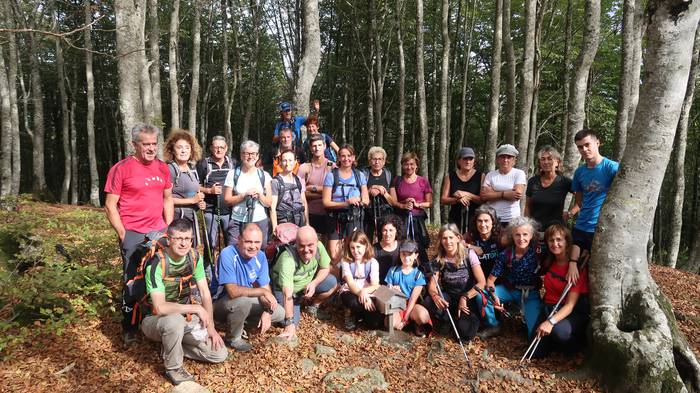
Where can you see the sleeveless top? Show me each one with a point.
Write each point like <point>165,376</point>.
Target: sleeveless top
<point>473,185</point>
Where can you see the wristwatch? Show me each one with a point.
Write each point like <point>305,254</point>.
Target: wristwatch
<point>314,189</point>
<point>552,321</point>
<point>287,321</point>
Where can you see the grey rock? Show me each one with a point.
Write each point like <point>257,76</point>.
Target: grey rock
<point>399,339</point>
<point>347,339</point>
<point>307,365</point>
<point>189,387</point>
<point>324,350</point>
<point>360,379</point>
<point>503,374</point>
<point>283,341</point>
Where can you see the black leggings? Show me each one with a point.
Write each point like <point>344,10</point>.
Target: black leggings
<point>467,325</point>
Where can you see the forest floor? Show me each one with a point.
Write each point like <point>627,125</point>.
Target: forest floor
<point>88,356</point>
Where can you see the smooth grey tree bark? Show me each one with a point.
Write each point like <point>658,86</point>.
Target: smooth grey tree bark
<point>494,100</point>
<point>511,75</point>
<point>626,77</point>
<point>196,45</point>
<point>225,75</point>
<point>637,346</point>
<point>37,134</point>
<point>527,82</point>
<point>579,83</point>
<point>14,112</point>
<point>130,17</point>
<point>420,87</point>
<point>172,65</point>
<point>469,31</point>
<point>444,91</point>
<point>566,74</point>
<point>679,147</point>
<point>154,53</point>
<point>5,131</point>
<point>90,115</point>
<point>311,58</point>
<point>65,122</point>
<point>255,10</point>
<point>402,87</point>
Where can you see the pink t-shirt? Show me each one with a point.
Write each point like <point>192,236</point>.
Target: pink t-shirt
<point>140,188</point>
<point>415,190</point>
<point>310,176</point>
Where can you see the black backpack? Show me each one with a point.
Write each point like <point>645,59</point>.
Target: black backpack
<point>285,210</point>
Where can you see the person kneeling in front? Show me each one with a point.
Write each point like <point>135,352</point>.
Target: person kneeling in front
<point>180,301</point>
<point>241,288</point>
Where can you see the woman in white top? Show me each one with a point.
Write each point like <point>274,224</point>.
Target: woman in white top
<point>247,189</point>
<point>504,187</point>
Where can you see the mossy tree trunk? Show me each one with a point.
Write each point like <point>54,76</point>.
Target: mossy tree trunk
<point>637,346</point>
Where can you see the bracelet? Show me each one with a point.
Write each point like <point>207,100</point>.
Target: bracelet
<point>573,260</point>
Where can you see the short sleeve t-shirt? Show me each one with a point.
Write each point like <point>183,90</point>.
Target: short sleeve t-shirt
<point>234,269</point>
<point>505,210</point>
<point>594,183</point>
<point>416,190</point>
<point>284,274</point>
<point>363,275</point>
<point>294,124</point>
<point>347,187</point>
<point>406,281</point>
<point>247,181</point>
<point>547,203</point>
<point>291,198</point>
<point>157,284</point>
<point>140,189</point>
<point>555,282</point>
<point>312,175</point>
<point>386,260</point>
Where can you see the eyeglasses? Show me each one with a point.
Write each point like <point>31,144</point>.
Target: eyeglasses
<point>219,148</point>
<point>250,153</point>
<point>181,239</point>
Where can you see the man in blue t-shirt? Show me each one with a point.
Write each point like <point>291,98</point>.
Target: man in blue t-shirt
<point>293,122</point>
<point>590,185</point>
<point>241,288</point>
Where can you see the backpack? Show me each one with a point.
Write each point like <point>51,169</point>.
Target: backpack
<point>368,269</point>
<point>152,250</point>
<point>336,181</point>
<point>285,209</point>
<point>284,240</point>
<point>237,174</point>
<point>177,172</point>
<point>393,269</point>
<point>387,175</point>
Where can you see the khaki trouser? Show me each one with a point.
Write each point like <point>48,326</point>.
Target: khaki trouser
<point>239,310</point>
<point>174,332</point>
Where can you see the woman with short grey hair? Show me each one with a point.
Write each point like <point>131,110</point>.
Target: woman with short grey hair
<point>504,187</point>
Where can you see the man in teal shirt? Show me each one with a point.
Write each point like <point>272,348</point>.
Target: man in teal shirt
<point>302,274</point>
<point>182,316</point>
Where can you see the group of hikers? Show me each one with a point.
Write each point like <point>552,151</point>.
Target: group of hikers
<point>250,241</point>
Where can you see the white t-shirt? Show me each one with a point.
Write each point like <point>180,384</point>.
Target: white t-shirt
<point>505,210</point>
<point>247,181</point>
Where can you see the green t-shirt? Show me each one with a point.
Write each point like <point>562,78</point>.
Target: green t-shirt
<point>177,268</point>
<point>284,276</point>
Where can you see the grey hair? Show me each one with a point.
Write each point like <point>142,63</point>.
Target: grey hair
<point>218,138</point>
<point>551,150</point>
<point>522,221</point>
<point>142,128</point>
<point>376,150</point>
<point>249,144</point>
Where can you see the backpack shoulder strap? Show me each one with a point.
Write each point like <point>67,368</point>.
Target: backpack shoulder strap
<point>175,170</point>
<point>336,180</point>
<point>356,173</point>
<point>298,182</point>
<point>236,175</point>
<point>387,175</point>
<point>261,176</point>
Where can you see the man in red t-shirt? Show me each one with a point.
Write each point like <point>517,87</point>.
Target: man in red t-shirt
<point>139,200</point>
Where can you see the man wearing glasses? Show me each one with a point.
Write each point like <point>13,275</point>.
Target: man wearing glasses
<point>181,315</point>
<point>139,200</point>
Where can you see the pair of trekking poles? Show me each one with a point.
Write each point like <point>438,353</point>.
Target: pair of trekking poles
<point>250,209</point>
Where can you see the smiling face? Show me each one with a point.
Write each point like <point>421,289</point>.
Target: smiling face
<point>312,128</point>
<point>450,242</point>
<point>307,241</point>
<point>346,158</point>
<point>357,250</point>
<point>218,149</point>
<point>249,157</point>
<point>249,242</point>
<point>146,149</point>
<point>547,162</point>
<point>288,161</point>
<point>318,148</point>
<point>521,237</point>
<point>408,258</point>
<point>389,232</point>
<point>556,242</point>
<point>182,150</point>
<point>179,243</point>
<point>409,167</point>
<point>484,225</point>
<point>286,138</point>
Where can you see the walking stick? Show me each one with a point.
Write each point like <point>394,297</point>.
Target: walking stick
<point>375,213</point>
<point>206,243</point>
<point>447,310</point>
<point>250,208</point>
<point>410,231</point>
<point>464,224</point>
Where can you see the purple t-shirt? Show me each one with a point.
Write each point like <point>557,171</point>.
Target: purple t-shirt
<point>415,190</point>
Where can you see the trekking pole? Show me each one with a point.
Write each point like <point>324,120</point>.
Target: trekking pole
<point>206,240</point>
<point>489,296</point>
<point>536,341</point>
<point>410,231</point>
<point>447,310</point>
<point>375,213</point>
<point>465,219</point>
<point>250,208</point>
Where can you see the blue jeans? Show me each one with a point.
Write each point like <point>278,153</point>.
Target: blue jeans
<point>531,304</point>
<point>326,285</point>
<point>489,317</point>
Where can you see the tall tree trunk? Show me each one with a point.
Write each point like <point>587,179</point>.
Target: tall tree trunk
<point>90,116</point>
<point>676,221</point>
<point>311,59</point>
<point>130,16</point>
<point>469,31</point>
<point>377,73</point>
<point>494,102</point>
<point>14,112</point>
<point>5,131</point>
<point>154,51</point>
<point>172,66</point>
<point>252,85</point>
<point>626,77</point>
<point>402,87</point>
<point>65,122</point>
<point>579,83</point>
<point>636,343</point>
<point>371,130</point>
<point>527,81</point>
<point>39,184</point>
<point>511,73</point>
<point>75,186</point>
<point>640,24</point>
<point>420,86</point>
<point>194,89</point>
<point>566,75</point>
<point>228,100</point>
<point>444,91</point>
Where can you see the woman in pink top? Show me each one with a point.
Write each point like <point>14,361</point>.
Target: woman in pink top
<point>412,194</point>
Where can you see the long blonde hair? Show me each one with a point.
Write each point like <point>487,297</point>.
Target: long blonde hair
<point>462,251</point>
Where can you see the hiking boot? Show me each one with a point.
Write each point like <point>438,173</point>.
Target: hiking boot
<point>491,331</point>
<point>317,313</point>
<point>178,376</point>
<point>128,338</point>
<point>420,331</point>
<point>350,322</point>
<point>240,345</point>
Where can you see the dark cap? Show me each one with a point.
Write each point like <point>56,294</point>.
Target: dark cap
<point>285,106</point>
<point>466,152</point>
<point>408,246</point>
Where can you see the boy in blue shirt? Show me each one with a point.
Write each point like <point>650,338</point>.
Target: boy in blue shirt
<point>241,288</point>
